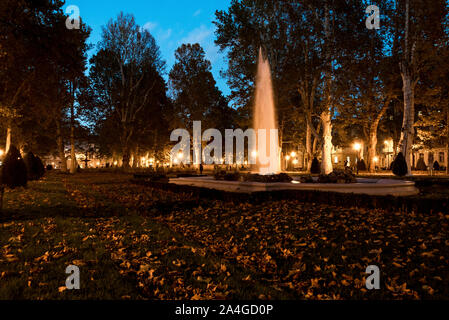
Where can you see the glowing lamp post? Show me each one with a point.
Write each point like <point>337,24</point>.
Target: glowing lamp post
<point>357,148</point>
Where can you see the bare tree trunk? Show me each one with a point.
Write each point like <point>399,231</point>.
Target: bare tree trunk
<point>372,146</point>
<point>61,146</point>
<point>125,157</point>
<point>309,147</point>
<point>8,138</point>
<point>136,158</point>
<point>447,141</point>
<point>326,165</point>
<point>72,141</point>
<point>406,141</point>
<point>126,152</point>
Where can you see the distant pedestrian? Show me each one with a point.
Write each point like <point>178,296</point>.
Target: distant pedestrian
<point>201,168</point>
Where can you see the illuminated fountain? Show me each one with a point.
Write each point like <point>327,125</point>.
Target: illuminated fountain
<point>265,118</point>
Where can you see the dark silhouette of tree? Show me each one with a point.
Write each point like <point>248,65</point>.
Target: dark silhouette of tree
<point>124,74</point>
<point>194,91</point>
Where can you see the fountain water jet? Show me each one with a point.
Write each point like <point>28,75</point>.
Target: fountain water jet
<point>265,118</point>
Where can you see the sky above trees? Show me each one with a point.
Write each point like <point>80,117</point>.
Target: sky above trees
<point>171,22</point>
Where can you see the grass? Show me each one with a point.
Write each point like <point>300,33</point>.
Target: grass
<point>135,242</point>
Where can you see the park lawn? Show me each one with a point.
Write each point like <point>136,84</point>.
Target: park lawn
<point>135,242</point>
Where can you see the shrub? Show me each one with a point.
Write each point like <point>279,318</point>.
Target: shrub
<point>49,167</point>
<point>306,179</point>
<point>282,177</point>
<point>324,178</point>
<point>223,175</point>
<point>361,165</point>
<point>421,165</point>
<point>14,171</point>
<point>316,167</point>
<point>35,167</point>
<point>436,166</point>
<point>399,165</point>
<point>338,176</point>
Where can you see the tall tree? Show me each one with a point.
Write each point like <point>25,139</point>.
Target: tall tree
<point>420,27</point>
<point>124,73</point>
<point>194,90</point>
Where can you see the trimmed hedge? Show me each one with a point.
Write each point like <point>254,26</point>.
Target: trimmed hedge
<point>14,171</point>
<point>35,167</point>
<point>316,166</point>
<point>399,165</point>
<point>421,165</point>
<point>389,203</point>
<point>436,166</point>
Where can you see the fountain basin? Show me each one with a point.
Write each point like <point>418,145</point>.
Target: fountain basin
<point>383,187</point>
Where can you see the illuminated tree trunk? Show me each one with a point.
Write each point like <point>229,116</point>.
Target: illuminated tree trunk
<point>309,147</point>
<point>373,137</point>
<point>406,141</point>
<point>372,148</point>
<point>72,141</point>
<point>61,146</point>
<point>326,166</point>
<point>8,138</point>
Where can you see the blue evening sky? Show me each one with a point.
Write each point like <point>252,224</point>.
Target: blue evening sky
<point>171,22</point>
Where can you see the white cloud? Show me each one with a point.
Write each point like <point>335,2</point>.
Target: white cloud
<point>198,35</point>
<point>150,26</point>
<point>205,37</point>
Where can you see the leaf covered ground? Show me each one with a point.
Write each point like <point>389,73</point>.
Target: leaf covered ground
<point>135,242</point>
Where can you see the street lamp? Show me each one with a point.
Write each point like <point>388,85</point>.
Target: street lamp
<point>2,152</point>
<point>357,146</point>
<point>287,158</point>
<point>293,154</point>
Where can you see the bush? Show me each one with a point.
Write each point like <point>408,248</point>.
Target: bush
<point>436,166</point>
<point>306,179</point>
<point>338,176</point>
<point>14,171</point>
<point>49,167</point>
<point>361,165</point>
<point>35,167</point>
<point>223,175</point>
<point>399,165</point>
<point>316,167</point>
<point>282,177</point>
<point>421,165</point>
